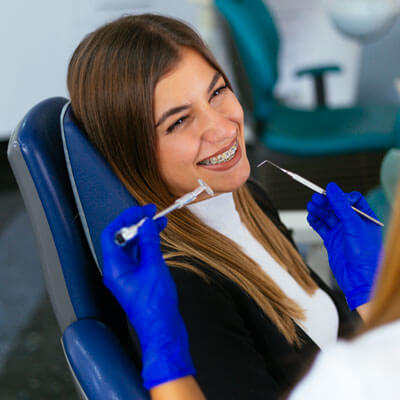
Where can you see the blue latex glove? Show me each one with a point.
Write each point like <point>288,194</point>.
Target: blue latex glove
<point>140,280</point>
<point>353,243</point>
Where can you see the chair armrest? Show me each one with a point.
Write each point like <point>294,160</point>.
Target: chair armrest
<point>321,70</point>
<point>99,363</point>
<point>318,74</point>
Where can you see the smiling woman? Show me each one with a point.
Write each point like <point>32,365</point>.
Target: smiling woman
<point>201,135</point>
<point>156,104</point>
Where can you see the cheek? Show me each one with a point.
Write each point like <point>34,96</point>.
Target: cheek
<point>176,156</point>
<point>233,109</point>
<point>238,111</point>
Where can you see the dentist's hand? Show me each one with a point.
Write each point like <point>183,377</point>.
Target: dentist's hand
<point>353,243</point>
<point>138,277</point>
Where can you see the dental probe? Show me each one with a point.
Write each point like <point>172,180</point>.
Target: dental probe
<point>316,188</point>
<point>127,233</point>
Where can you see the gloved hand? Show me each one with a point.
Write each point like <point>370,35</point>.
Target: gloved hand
<point>353,242</point>
<point>138,277</point>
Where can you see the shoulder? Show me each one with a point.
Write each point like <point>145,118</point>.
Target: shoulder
<point>378,344</point>
<point>367,367</point>
<point>261,197</point>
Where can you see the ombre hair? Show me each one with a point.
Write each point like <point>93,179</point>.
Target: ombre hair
<point>385,305</point>
<point>111,80</point>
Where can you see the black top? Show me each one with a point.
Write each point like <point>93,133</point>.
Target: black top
<point>237,351</point>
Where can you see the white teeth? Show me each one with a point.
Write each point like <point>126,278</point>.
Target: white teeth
<point>221,158</point>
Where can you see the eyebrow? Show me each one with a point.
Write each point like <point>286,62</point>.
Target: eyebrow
<point>178,109</point>
<point>213,81</point>
<point>170,112</point>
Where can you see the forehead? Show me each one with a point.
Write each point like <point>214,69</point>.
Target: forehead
<point>191,73</point>
<point>189,62</point>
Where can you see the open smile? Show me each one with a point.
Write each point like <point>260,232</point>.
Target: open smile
<point>221,157</point>
<point>224,160</point>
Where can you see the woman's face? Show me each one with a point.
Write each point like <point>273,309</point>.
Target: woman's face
<point>199,124</point>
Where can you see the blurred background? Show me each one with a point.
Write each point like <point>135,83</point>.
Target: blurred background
<point>362,37</point>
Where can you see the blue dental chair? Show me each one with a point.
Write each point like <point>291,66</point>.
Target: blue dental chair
<point>318,132</point>
<point>65,213</point>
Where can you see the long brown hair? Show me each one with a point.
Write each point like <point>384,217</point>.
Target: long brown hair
<point>111,80</point>
<point>385,305</point>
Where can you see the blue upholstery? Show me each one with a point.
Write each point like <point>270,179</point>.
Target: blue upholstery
<point>297,131</point>
<point>40,142</point>
<point>98,192</point>
<point>96,338</point>
<point>100,363</point>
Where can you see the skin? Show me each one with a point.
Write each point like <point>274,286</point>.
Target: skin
<point>179,389</point>
<point>209,121</point>
<point>364,310</point>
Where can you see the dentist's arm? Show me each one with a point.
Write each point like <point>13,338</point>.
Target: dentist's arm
<point>353,243</point>
<point>140,280</point>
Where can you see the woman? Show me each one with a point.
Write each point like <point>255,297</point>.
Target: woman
<point>154,101</point>
<point>365,368</point>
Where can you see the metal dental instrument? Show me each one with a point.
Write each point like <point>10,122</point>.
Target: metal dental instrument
<point>316,188</point>
<point>127,233</point>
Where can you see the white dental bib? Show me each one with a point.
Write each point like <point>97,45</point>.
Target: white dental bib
<point>321,323</point>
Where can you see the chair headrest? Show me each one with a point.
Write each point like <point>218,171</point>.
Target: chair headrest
<point>99,194</point>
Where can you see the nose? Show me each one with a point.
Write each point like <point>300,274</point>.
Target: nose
<point>217,127</point>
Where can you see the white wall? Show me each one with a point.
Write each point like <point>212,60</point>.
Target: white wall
<point>309,39</point>
<point>38,37</point>
<point>34,43</point>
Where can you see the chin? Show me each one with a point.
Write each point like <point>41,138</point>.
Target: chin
<point>244,170</point>
<point>242,174</point>
<point>235,182</point>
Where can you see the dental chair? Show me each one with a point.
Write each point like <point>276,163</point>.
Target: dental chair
<point>70,200</point>
<point>321,131</point>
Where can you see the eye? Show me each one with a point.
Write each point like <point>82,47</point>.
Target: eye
<point>178,122</point>
<point>219,91</point>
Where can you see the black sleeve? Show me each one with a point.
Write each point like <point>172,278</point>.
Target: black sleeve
<point>227,363</point>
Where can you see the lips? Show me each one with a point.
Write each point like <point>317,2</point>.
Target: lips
<point>223,155</point>
<point>227,165</point>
